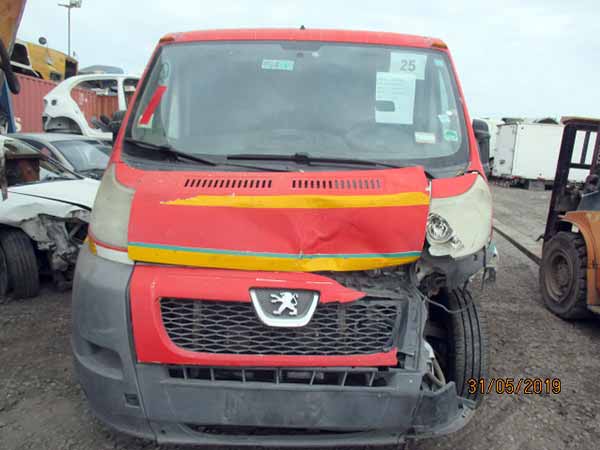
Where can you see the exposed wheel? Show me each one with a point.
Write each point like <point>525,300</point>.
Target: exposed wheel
<point>459,340</point>
<point>3,274</point>
<point>23,273</point>
<point>563,278</point>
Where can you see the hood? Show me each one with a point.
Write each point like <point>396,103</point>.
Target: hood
<point>292,221</point>
<point>76,192</point>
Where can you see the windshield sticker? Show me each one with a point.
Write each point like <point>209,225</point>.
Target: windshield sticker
<point>422,137</point>
<point>152,105</point>
<point>278,64</point>
<point>408,63</point>
<point>395,98</point>
<point>450,136</point>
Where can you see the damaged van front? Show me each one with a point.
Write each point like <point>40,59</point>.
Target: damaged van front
<point>281,248</point>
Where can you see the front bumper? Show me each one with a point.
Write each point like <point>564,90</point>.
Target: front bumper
<point>145,400</point>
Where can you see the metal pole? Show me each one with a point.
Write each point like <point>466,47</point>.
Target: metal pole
<point>69,31</point>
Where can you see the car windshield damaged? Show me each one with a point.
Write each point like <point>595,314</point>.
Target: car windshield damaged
<point>289,222</point>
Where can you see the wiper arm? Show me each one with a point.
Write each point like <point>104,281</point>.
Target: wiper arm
<point>305,158</point>
<point>168,150</point>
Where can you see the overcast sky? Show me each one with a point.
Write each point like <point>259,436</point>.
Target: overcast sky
<point>513,60</point>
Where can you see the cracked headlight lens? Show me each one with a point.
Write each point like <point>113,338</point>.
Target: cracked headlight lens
<point>439,230</point>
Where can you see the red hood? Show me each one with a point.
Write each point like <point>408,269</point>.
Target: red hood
<point>354,220</point>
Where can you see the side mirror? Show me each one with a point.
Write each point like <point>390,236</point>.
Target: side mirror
<point>482,134</point>
<point>115,123</point>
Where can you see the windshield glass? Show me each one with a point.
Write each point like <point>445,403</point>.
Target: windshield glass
<point>25,164</point>
<point>329,100</point>
<point>84,155</point>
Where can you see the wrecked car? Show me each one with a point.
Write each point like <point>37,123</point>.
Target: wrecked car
<point>289,233</point>
<point>43,219</point>
<point>86,156</point>
<point>85,104</point>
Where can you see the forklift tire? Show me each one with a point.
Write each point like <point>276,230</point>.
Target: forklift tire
<point>22,267</point>
<point>460,343</point>
<point>563,277</point>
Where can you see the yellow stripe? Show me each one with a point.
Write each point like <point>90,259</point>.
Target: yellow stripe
<point>198,259</point>
<point>305,201</point>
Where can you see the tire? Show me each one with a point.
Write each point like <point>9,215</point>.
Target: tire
<point>3,274</point>
<point>23,272</point>
<point>563,277</point>
<point>460,342</point>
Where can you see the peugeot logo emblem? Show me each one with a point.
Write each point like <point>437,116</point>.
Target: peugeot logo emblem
<point>288,301</point>
<point>281,308</point>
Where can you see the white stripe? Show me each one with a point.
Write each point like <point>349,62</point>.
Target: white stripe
<point>113,255</point>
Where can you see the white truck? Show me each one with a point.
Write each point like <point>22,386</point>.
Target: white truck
<point>527,153</point>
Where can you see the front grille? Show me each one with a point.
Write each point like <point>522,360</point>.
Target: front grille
<point>358,376</point>
<point>362,327</point>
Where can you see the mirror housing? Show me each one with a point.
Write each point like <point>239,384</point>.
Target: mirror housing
<point>115,123</point>
<point>482,135</point>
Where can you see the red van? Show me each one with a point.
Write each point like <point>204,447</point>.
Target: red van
<point>280,250</point>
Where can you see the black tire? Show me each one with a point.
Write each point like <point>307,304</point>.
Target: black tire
<point>23,272</point>
<point>3,274</point>
<point>563,277</point>
<point>460,341</point>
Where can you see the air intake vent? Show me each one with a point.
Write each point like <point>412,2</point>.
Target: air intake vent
<point>356,184</point>
<point>228,183</point>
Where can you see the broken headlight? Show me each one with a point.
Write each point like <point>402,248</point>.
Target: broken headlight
<point>460,225</point>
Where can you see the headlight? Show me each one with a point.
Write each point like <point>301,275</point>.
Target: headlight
<point>461,225</point>
<point>110,219</point>
<point>439,230</point>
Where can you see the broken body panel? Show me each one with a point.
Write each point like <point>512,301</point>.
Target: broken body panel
<point>200,337</point>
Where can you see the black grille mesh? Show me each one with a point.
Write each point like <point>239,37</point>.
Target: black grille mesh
<point>361,327</point>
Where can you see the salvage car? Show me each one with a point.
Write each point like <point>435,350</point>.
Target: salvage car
<point>43,219</point>
<point>63,104</point>
<point>289,233</point>
<point>86,156</point>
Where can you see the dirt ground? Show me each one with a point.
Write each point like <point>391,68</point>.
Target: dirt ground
<point>41,406</point>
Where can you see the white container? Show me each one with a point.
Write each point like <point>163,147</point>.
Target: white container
<point>529,151</point>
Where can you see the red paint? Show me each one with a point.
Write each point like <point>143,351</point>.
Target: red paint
<point>152,104</point>
<point>388,229</point>
<point>451,187</point>
<point>152,344</point>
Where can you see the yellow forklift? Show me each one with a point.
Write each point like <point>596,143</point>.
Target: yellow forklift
<point>570,266</point>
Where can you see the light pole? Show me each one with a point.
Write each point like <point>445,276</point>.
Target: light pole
<point>72,4</point>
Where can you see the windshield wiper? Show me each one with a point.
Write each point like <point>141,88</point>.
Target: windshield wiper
<point>305,158</point>
<point>168,150</point>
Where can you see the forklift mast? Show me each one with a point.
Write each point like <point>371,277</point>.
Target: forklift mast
<point>564,196</point>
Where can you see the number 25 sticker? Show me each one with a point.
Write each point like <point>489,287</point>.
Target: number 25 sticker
<point>409,63</point>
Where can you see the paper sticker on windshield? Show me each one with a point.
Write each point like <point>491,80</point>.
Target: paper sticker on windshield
<point>394,98</point>
<point>408,63</point>
<point>278,64</point>
<point>422,137</point>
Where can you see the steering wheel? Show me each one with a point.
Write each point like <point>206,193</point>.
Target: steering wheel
<point>13,83</point>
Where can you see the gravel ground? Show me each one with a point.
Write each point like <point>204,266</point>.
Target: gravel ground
<point>41,406</point>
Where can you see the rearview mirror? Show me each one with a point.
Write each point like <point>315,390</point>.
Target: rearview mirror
<point>482,134</point>
<point>115,123</point>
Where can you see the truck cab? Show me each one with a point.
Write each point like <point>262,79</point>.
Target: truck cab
<point>281,247</point>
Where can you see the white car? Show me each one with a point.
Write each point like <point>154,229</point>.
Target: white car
<point>43,219</point>
<point>62,111</point>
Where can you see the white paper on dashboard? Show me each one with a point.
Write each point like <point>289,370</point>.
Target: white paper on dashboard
<point>399,89</point>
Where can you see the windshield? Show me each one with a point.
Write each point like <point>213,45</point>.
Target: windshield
<point>330,100</point>
<point>84,155</point>
<point>25,164</point>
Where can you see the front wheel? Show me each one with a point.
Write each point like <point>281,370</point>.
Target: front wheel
<point>563,277</point>
<point>21,263</point>
<point>459,340</point>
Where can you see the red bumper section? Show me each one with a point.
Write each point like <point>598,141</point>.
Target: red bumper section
<point>150,284</point>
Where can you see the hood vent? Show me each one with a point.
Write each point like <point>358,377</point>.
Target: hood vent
<point>228,183</point>
<point>355,184</point>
